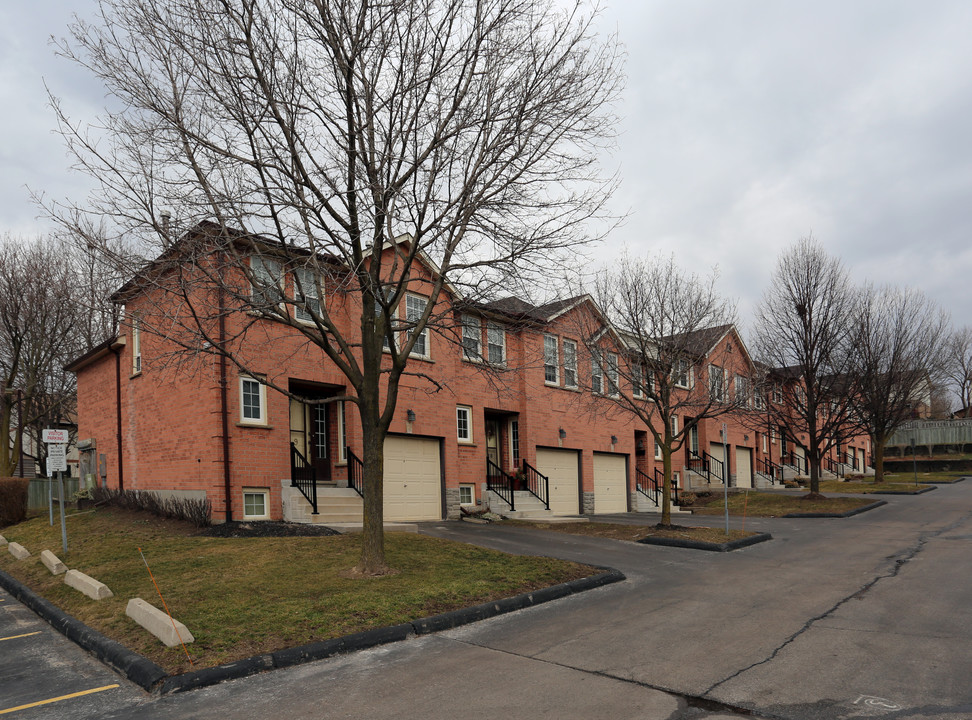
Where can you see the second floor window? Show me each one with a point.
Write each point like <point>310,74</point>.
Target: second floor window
<point>414,308</point>
<point>551,360</point>
<point>682,373</point>
<point>136,346</point>
<point>307,295</point>
<point>637,381</point>
<point>570,364</point>
<point>597,373</point>
<point>496,343</point>
<point>471,337</point>
<point>267,281</point>
<point>717,383</point>
<point>612,374</point>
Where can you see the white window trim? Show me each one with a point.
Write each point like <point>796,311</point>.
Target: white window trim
<point>472,493</point>
<point>265,492</point>
<point>658,451</point>
<point>612,371</point>
<point>472,325</point>
<point>468,439</point>
<point>312,281</point>
<point>514,452</point>
<point>674,420</point>
<point>262,419</point>
<point>136,346</point>
<point>270,266</point>
<point>496,328</point>
<point>423,335</point>
<point>555,364</point>
<point>572,366</point>
<point>718,394</point>
<point>689,374</point>
<point>597,372</point>
<point>637,381</point>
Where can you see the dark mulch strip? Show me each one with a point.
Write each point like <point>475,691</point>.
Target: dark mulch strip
<point>702,545</point>
<point>849,513</point>
<point>266,528</point>
<point>904,492</point>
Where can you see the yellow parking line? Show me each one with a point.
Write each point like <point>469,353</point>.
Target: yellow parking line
<point>58,699</point>
<point>14,637</point>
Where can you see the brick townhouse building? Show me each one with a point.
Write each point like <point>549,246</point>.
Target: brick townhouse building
<point>501,398</point>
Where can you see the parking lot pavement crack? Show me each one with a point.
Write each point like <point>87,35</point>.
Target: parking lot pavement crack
<point>699,702</point>
<point>900,560</point>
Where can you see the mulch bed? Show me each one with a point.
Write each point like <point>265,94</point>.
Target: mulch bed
<point>266,528</point>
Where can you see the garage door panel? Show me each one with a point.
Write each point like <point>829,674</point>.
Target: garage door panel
<point>744,467</point>
<point>560,467</point>
<point>610,483</point>
<point>412,479</point>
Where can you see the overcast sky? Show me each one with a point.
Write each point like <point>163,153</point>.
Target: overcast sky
<point>746,125</point>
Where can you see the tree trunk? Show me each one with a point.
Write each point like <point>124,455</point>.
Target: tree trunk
<point>372,561</point>
<point>877,442</point>
<point>814,462</point>
<point>666,518</point>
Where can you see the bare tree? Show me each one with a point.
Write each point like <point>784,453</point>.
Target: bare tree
<point>39,323</point>
<point>668,324</point>
<point>355,138</point>
<point>958,366</point>
<point>898,350</point>
<point>804,331</point>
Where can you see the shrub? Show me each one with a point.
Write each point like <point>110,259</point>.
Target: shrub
<point>196,512</point>
<point>13,500</point>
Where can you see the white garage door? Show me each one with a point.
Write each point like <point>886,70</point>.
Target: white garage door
<point>718,452</point>
<point>610,483</point>
<point>413,480</point>
<point>744,467</point>
<point>561,467</point>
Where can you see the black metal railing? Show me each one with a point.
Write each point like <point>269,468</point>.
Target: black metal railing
<point>537,483</point>
<point>355,472</point>
<point>303,476</point>
<point>770,469</point>
<point>500,483</point>
<point>707,466</point>
<point>835,467</point>
<point>660,481</point>
<point>648,487</point>
<point>797,462</point>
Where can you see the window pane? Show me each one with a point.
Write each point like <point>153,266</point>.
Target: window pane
<point>254,504</point>
<point>414,307</point>
<point>570,363</point>
<point>266,281</point>
<point>306,290</point>
<point>251,400</point>
<point>463,429</point>
<point>550,359</point>
<point>496,341</point>
<point>471,337</point>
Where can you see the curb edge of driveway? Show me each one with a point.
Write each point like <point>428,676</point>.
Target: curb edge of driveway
<point>700,545</point>
<point>149,676</point>
<point>922,491</point>
<point>849,513</point>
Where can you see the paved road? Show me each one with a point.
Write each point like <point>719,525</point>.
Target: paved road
<point>865,617</point>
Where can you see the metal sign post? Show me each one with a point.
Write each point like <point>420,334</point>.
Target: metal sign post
<point>914,460</point>
<point>57,462</point>
<point>725,474</point>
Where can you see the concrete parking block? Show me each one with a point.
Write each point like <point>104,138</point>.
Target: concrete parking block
<point>52,563</point>
<point>88,585</point>
<point>158,623</point>
<point>18,551</point>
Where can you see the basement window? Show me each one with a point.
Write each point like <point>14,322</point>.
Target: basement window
<point>255,504</point>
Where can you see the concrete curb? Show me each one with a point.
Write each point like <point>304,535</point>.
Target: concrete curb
<point>700,545</point>
<point>151,677</point>
<point>946,482</point>
<point>141,671</point>
<point>905,492</point>
<point>849,513</point>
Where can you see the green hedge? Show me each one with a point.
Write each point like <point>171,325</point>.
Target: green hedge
<point>13,500</point>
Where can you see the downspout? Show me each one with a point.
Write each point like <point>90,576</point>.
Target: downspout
<point>224,411</point>
<point>118,417</point>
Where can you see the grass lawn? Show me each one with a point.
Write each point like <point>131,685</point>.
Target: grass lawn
<point>891,483</point>
<point>244,596</point>
<point>935,477</point>
<point>762,504</point>
<point>617,531</point>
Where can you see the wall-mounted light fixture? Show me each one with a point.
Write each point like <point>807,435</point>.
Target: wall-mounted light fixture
<point>563,433</point>
<point>746,438</point>
<point>614,439</point>
<point>410,415</point>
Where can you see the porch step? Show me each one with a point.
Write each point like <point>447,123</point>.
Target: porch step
<point>527,505</point>
<point>647,506</point>
<point>335,506</point>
